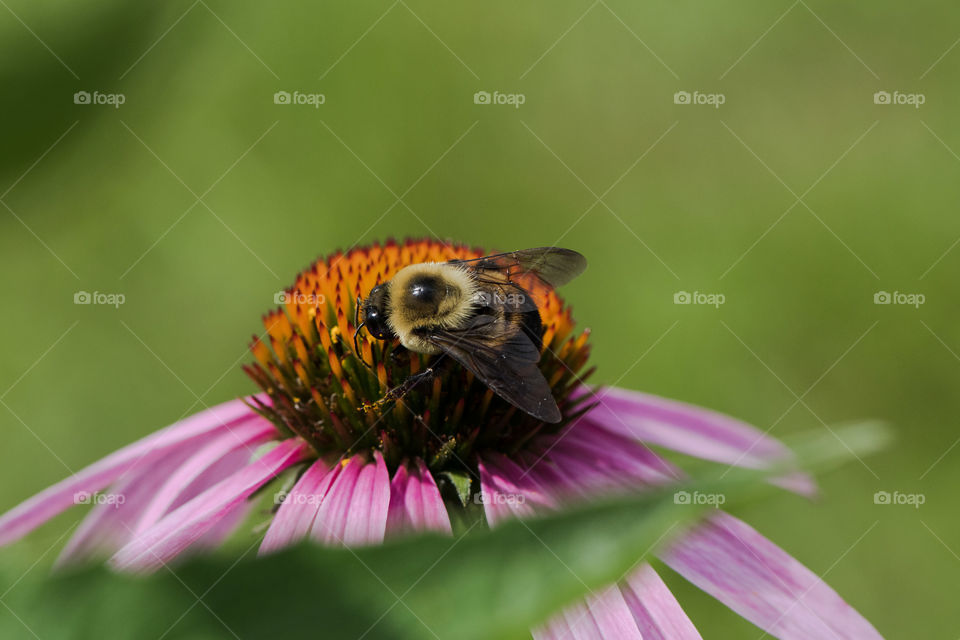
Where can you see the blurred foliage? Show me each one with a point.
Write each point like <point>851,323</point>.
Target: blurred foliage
<point>199,197</point>
<point>480,585</point>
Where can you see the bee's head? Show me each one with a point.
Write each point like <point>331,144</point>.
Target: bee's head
<point>374,313</point>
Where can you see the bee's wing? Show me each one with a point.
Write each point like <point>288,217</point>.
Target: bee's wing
<point>551,266</point>
<point>502,355</point>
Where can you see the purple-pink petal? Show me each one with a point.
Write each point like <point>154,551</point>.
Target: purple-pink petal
<point>415,502</point>
<point>222,528</point>
<point>242,438</point>
<point>146,492</point>
<point>691,430</point>
<point>548,473</point>
<point>656,612</point>
<point>45,505</point>
<point>354,512</point>
<point>642,606</point>
<point>732,562</point>
<point>110,524</point>
<point>188,523</point>
<point>614,454</point>
<point>724,556</point>
<point>601,615</point>
<point>508,491</point>
<point>298,510</point>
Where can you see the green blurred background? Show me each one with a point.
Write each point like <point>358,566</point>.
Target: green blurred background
<point>692,198</point>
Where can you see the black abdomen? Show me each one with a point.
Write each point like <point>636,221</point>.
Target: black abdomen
<point>532,325</point>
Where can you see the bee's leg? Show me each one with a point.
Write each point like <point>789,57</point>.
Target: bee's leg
<point>402,389</point>
<point>408,385</point>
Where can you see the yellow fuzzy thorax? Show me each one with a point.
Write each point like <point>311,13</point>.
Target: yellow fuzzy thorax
<point>454,307</point>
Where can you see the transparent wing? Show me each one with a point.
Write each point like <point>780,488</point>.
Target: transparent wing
<point>551,266</point>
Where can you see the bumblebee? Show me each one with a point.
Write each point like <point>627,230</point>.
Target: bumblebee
<point>481,312</point>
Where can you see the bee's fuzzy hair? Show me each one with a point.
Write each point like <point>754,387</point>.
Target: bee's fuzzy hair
<point>454,309</point>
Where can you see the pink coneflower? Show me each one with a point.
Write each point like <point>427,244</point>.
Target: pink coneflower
<point>362,476</point>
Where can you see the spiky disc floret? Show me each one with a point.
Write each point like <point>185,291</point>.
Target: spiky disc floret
<point>307,365</point>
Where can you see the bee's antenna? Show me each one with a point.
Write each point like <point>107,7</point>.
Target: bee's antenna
<point>356,346</point>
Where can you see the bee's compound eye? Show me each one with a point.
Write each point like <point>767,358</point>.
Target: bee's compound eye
<point>375,324</point>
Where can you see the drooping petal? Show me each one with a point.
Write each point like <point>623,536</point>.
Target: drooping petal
<point>210,464</point>
<point>542,498</point>
<point>415,502</point>
<point>592,476</point>
<point>739,567</point>
<point>220,470</point>
<point>113,524</point>
<point>615,455</point>
<point>558,627</point>
<point>243,437</point>
<point>693,431</point>
<point>45,505</point>
<point>295,517</point>
<point>185,525</point>
<point>222,529</point>
<point>508,492</point>
<point>354,512</point>
<point>642,606</point>
<point>565,470</point>
<point>602,615</point>
<point>546,471</point>
<point>110,524</point>
<point>656,612</point>
<point>653,608</point>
